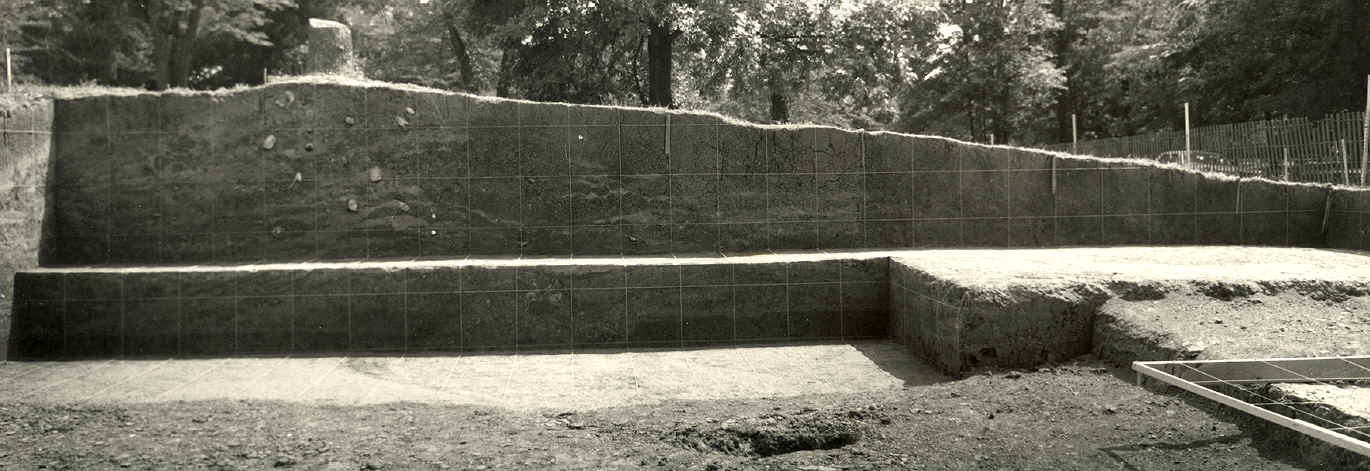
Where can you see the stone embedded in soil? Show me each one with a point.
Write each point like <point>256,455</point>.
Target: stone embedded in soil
<point>269,142</point>
<point>352,205</point>
<point>375,174</point>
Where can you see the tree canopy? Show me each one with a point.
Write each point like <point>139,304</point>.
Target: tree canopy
<point>1006,70</point>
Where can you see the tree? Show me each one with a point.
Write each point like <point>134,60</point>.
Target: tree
<point>993,74</point>
<point>874,54</point>
<point>17,18</point>
<point>130,42</point>
<point>1252,59</point>
<point>175,27</point>
<point>661,36</point>
<point>768,52</point>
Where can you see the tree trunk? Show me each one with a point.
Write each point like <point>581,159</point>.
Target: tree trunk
<point>1065,99</point>
<point>970,120</point>
<point>459,49</point>
<point>780,108</point>
<point>111,67</point>
<point>161,58</point>
<point>659,39</point>
<point>184,51</point>
<point>506,61</point>
<point>780,102</point>
<point>161,44</point>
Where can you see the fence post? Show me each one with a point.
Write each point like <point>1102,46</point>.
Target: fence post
<point>1285,174</point>
<point>1187,151</point>
<point>1365,131</point>
<point>1074,136</point>
<point>9,75</point>
<point>1345,172</point>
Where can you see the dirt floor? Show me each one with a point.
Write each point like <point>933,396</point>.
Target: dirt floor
<point>579,380</point>
<point>1211,321</point>
<point>1077,416</point>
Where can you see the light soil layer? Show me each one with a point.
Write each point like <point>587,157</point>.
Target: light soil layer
<point>1068,417</point>
<point>991,269</point>
<point>581,380</point>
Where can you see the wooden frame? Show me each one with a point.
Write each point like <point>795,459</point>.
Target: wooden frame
<point>1197,377</point>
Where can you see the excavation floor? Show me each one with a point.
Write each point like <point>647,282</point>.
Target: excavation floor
<point>549,381</point>
<point>1078,416</point>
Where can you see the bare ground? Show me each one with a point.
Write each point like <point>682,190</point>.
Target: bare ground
<point>1077,416</point>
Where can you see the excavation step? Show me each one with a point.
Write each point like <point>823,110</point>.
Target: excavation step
<point>968,309</point>
<point>448,306</point>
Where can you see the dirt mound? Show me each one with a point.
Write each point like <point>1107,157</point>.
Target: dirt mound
<point>774,434</point>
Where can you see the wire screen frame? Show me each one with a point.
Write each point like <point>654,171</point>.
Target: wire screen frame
<point>1199,377</point>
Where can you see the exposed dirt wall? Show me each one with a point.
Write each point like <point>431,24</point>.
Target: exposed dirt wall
<point>1347,226</point>
<point>967,309</point>
<point>329,171</point>
<point>25,137</point>
<point>451,306</point>
<point>961,327</point>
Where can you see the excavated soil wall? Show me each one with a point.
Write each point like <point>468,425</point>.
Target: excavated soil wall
<point>959,327</point>
<point>450,306</point>
<point>336,171</point>
<point>970,309</point>
<point>1348,219</point>
<point>25,193</point>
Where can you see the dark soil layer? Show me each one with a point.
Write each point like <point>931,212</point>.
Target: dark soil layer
<point>1081,416</point>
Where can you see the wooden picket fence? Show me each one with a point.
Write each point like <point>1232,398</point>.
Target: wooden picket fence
<point>1325,151</point>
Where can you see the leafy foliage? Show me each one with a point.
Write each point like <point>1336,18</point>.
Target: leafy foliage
<point>1006,70</point>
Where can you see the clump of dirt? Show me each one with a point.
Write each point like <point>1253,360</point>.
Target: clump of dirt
<point>1133,291</point>
<point>1330,292</point>
<point>774,434</point>
<point>1226,291</point>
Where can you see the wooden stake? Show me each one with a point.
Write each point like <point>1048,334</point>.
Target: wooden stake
<point>1285,175</point>
<point>1187,150</point>
<point>1326,211</point>
<point>1074,136</point>
<point>1365,132</point>
<point>1345,171</point>
<point>9,76</point>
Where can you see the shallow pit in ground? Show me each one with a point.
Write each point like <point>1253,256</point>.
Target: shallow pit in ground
<point>776,433</point>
